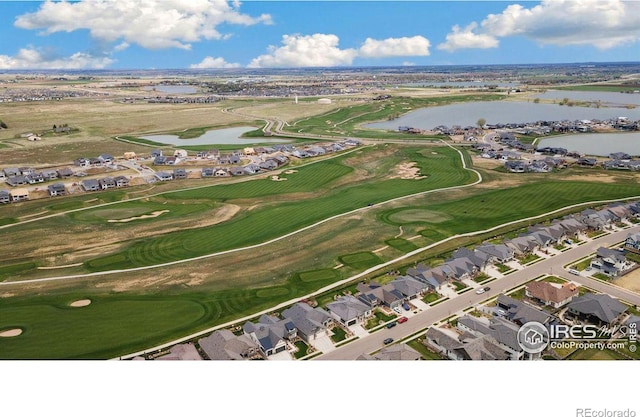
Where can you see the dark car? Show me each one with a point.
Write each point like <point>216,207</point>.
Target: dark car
<point>487,289</point>
<point>387,341</point>
<point>391,324</point>
<point>406,306</point>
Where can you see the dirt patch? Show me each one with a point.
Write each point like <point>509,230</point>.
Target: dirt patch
<point>291,171</point>
<point>630,281</point>
<point>277,178</point>
<point>144,216</point>
<point>407,171</point>
<point>602,178</point>
<point>81,303</point>
<point>11,333</point>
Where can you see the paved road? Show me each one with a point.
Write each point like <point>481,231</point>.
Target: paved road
<point>553,265</point>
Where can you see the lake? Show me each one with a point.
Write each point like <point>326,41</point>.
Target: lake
<point>229,136</point>
<point>605,97</point>
<point>599,144</point>
<point>467,114</point>
<point>173,89</point>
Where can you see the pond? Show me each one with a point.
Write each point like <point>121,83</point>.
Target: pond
<point>173,89</point>
<point>467,114</point>
<point>598,144</point>
<point>606,98</point>
<point>229,136</point>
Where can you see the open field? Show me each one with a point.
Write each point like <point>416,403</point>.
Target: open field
<point>630,281</point>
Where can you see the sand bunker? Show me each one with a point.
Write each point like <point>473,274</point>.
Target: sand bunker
<point>81,303</point>
<point>290,171</point>
<point>277,178</point>
<point>144,216</point>
<point>407,171</point>
<point>11,333</point>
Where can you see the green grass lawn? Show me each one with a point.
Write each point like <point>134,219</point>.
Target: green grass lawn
<point>302,349</point>
<point>596,354</point>
<point>554,279</point>
<point>360,260</point>
<point>482,278</point>
<point>422,349</point>
<point>402,245</point>
<point>528,258</point>
<point>431,297</point>
<point>338,334</point>
<point>459,286</point>
<point>502,268</point>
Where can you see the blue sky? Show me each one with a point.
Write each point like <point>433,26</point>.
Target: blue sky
<point>145,34</point>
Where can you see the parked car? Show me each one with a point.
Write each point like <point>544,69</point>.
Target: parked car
<point>501,312</point>
<point>388,340</point>
<point>397,310</point>
<point>402,319</point>
<point>486,289</point>
<point>574,271</point>
<point>480,291</point>
<point>391,324</point>
<point>406,306</point>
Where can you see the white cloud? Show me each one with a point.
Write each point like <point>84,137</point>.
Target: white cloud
<point>600,23</point>
<point>414,46</point>
<point>321,50</point>
<point>318,50</point>
<point>152,24</point>
<point>465,38</point>
<point>29,58</point>
<point>211,62</point>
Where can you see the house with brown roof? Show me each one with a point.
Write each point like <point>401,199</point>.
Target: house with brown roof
<point>224,345</point>
<point>550,294</point>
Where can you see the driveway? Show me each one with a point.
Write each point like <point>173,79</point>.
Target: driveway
<point>323,343</point>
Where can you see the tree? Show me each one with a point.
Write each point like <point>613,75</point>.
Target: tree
<point>481,122</point>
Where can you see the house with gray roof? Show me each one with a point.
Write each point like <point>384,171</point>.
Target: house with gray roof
<point>348,310</point>
<point>310,322</point>
<point>223,345</point>
<point>500,253</point>
<point>90,185</point>
<point>5,196</point>
<point>632,242</point>
<point>56,189</point>
<point>462,268</point>
<point>611,262</point>
<point>520,312</point>
<point>182,352</point>
<point>164,176</point>
<point>522,244</point>
<point>479,259</point>
<point>572,226</point>
<point>106,183</point>
<point>270,333</point>
<point>465,347</point>
<point>504,332</point>
<point>596,308</point>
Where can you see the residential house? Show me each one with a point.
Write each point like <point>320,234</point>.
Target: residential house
<point>106,158</point>
<point>224,345</point>
<point>57,189</point>
<point>156,152</point>
<point>610,262</point>
<point>65,173</point>
<point>310,322</point>
<point>504,332</point>
<point>130,156</point>
<point>572,226</point>
<point>11,172</point>
<point>182,352</point>
<point>19,194</point>
<point>121,181</point>
<point>236,171</point>
<point>81,162</point>
<point>5,196</point>
<point>500,253</point>
<point>90,185</point>
<point>551,294</point>
<point>632,242</point>
<point>271,334</point>
<point>221,172</point>
<point>207,172</point>
<point>95,162</point>
<point>348,310</point>
<point>18,180</point>
<point>179,173</point>
<point>164,176</point>
<point>106,183</point>
<point>268,165</point>
<point>521,313</point>
<point>180,153</point>
<point>466,346</point>
<point>479,259</point>
<point>49,174</point>
<point>599,309</point>
<point>462,268</point>
<point>251,169</point>
<point>522,245</point>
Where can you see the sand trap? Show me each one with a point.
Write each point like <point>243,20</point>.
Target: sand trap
<point>11,333</point>
<point>144,216</point>
<point>81,303</point>
<point>277,178</point>
<point>290,171</point>
<point>407,171</point>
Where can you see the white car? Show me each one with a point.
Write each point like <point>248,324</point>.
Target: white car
<point>480,291</point>
<point>574,271</point>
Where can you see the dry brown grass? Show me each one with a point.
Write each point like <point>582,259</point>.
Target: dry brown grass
<point>630,281</point>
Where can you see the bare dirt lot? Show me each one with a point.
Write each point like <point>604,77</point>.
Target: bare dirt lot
<point>630,281</point>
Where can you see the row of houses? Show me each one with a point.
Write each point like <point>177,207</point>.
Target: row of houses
<point>465,263</point>
<point>104,183</point>
<point>14,196</point>
<point>16,177</point>
<point>103,159</point>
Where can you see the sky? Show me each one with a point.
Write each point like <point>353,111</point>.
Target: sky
<point>179,34</point>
